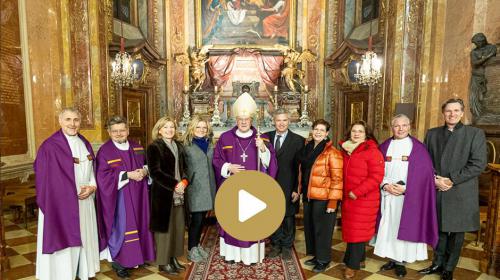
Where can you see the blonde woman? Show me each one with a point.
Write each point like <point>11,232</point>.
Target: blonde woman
<point>198,148</point>
<point>166,166</point>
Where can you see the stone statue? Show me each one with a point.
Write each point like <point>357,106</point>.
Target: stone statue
<point>196,61</point>
<point>477,86</point>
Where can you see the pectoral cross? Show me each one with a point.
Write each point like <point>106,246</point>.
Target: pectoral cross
<point>244,157</point>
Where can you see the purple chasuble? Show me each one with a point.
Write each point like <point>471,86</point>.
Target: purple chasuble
<point>230,148</point>
<point>123,215</point>
<point>56,193</point>
<point>419,215</point>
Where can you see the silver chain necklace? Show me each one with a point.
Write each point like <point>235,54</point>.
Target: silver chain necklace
<point>244,155</point>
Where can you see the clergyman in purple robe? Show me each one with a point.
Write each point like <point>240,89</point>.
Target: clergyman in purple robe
<point>67,242</point>
<point>237,150</point>
<point>122,201</point>
<point>408,216</point>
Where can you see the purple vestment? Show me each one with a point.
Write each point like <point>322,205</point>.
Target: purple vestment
<point>56,193</point>
<point>419,215</point>
<point>123,215</point>
<point>229,150</point>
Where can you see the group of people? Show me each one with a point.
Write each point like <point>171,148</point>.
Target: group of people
<point>129,205</point>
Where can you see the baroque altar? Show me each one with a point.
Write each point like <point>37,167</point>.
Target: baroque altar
<point>273,77</point>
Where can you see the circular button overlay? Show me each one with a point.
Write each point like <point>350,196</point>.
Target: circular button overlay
<point>250,205</point>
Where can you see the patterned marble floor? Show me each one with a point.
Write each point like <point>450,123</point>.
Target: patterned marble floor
<point>22,252</point>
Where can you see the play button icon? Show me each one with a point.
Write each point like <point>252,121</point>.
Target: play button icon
<point>250,205</point>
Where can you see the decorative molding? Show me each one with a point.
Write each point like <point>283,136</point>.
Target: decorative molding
<point>383,99</point>
<point>108,13</point>
<point>103,37</point>
<point>335,16</point>
<point>80,61</point>
<point>156,23</point>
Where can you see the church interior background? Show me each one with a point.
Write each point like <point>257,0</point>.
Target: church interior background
<point>190,59</point>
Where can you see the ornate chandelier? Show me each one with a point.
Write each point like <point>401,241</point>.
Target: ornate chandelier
<point>123,69</point>
<point>368,72</point>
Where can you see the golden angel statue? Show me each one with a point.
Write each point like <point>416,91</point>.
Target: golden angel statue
<point>196,62</point>
<point>292,75</point>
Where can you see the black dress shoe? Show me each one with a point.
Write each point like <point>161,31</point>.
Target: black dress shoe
<point>169,269</point>
<point>431,269</point>
<point>388,266</point>
<point>229,262</point>
<point>447,275</point>
<point>275,251</point>
<point>400,270</point>
<point>121,271</point>
<point>320,267</point>
<point>312,261</point>
<point>177,264</point>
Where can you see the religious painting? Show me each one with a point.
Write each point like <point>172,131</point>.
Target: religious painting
<point>356,111</point>
<point>254,23</point>
<point>122,10</point>
<point>369,10</point>
<point>134,113</point>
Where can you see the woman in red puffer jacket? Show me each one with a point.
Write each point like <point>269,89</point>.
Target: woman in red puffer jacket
<point>363,173</point>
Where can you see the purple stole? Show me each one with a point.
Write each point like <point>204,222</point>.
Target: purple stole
<point>230,149</point>
<point>56,193</point>
<point>123,215</point>
<point>419,215</point>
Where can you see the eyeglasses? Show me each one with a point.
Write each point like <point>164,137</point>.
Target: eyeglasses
<point>118,131</point>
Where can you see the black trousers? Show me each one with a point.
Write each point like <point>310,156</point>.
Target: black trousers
<point>448,249</point>
<point>195,228</point>
<point>354,255</point>
<point>285,234</point>
<point>318,229</point>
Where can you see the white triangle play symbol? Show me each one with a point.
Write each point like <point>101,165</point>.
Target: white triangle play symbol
<point>248,205</point>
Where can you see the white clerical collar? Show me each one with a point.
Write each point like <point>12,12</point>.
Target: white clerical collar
<point>244,134</point>
<point>122,146</point>
<point>71,138</point>
<point>403,139</point>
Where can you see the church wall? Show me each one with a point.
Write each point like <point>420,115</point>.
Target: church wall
<point>448,29</point>
<point>64,55</point>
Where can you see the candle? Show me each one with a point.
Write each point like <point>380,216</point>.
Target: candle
<point>306,87</point>
<point>216,88</point>
<point>275,88</point>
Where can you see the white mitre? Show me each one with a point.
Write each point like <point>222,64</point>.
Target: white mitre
<point>244,106</point>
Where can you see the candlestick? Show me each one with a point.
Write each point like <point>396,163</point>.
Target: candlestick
<point>186,116</point>
<point>216,121</point>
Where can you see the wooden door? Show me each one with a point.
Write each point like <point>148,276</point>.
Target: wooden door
<point>356,108</point>
<point>134,108</point>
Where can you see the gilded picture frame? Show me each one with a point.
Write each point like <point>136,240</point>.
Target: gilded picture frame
<point>232,24</point>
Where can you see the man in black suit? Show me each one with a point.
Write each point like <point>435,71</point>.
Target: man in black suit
<point>287,144</point>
